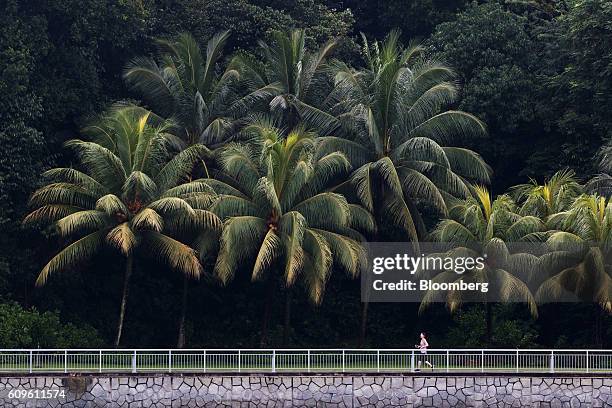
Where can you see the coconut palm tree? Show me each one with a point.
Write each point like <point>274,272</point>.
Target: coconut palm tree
<point>554,196</point>
<point>128,197</point>
<point>580,261</point>
<point>289,82</point>
<point>396,131</point>
<point>185,85</point>
<point>481,227</point>
<point>602,183</point>
<point>396,124</point>
<point>276,210</point>
<point>579,264</point>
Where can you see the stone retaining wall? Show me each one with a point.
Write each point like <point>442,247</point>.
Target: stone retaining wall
<point>311,391</point>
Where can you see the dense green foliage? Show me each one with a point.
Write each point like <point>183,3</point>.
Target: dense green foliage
<point>393,130</point>
<point>21,328</point>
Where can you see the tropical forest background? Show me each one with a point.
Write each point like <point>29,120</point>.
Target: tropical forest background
<point>202,173</point>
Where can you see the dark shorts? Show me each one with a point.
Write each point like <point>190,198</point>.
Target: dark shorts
<point>422,357</point>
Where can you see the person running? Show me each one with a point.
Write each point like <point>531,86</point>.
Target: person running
<point>422,346</point>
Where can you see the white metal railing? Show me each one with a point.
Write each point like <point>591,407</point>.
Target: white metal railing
<point>304,360</point>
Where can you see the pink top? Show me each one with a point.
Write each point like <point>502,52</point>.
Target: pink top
<point>423,346</point>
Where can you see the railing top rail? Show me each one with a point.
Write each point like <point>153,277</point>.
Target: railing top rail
<point>355,350</point>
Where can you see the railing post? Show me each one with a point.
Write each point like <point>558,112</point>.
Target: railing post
<point>273,361</point>
<point>169,361</point>
<point>447,361</point>
<point>482,363</point>
<point>134,362</point>
<point>239,360</point>
<point>552,361</point>
<point>65,361</point>
<point>204,361</point>
<point>100,361</point>
<point>342,360</point>
<point>308,360</point>
<point>517,360</point>
<point>587,361</point>
<point>412,361</point>
<point>378,361</point>
<point>30,361</point>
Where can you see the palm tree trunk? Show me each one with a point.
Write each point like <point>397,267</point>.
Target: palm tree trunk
<point>365,304</point>
<point>598,326</point>
<point>365,307</point>
<point>489,319</point>
<point>126,284</point>
<point>364,323</point>
<point>291,118</point>
<point>263,342</point>
<point>180,343</point>
<point>287,322</point>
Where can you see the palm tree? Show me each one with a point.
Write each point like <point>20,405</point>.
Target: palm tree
<point>480,227</point>
<point>120,123</point>
<point>579,264</point>
<point>289,82</point>
<point>128,197</point>
<point>581,245</point>
<point>396,129</point>
<point>395,123</point>
<point>602,183</point>
<point>555,195</point>
<point>185,85</point>
<point>276,210</point>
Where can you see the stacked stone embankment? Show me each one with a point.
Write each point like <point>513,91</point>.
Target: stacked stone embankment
<point>306,391</point>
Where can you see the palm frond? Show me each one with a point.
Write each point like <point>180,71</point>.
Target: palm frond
<point>245,232</point>
<point>175,254</point>
<point>148,78</point>
<point>79,251</point>
<point>72,176</point>
<point>50,213</point>
<point>100,163</point>
<point>292,230</point>
<point>122,238</point>
<point>269,250</point>
<point>62,194</point>
<point>347,253</point>
<point>139,189</point>
<point>318,261</point>
<point>82,221</point>
<point>180,167</point>
<point>112,206</point>
<point>148,219</point>
<point>446,126</point>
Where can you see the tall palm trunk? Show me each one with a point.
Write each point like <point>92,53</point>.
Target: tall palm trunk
<point>489,321</point>
<point>365,304</point>
<point>126,284</point>
<point>287,320</point>
<point>180,343</point>
<point>364,323</point>
<point>292,118</point>
<point>598,326</point>
<point>263,342</point>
